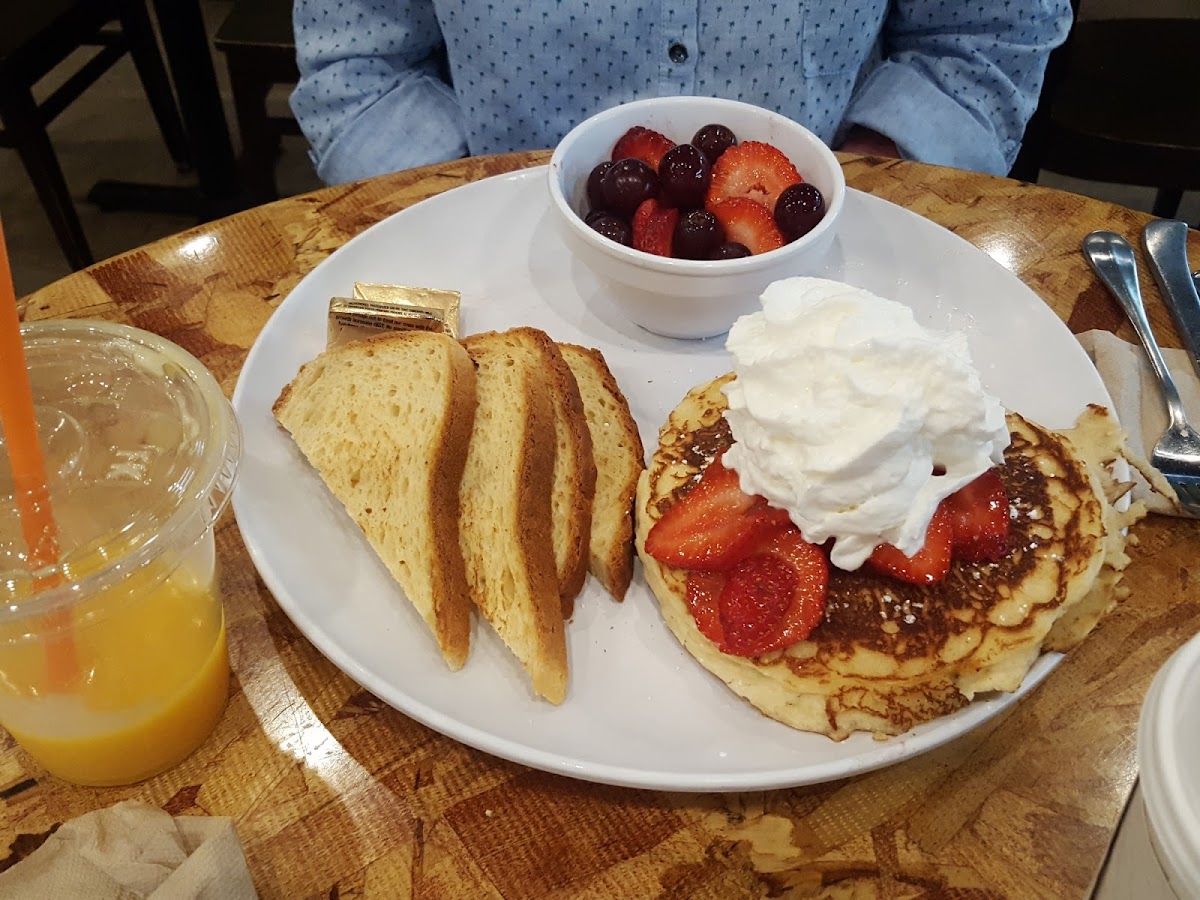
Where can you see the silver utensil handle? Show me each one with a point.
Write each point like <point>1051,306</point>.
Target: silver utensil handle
<point>1112,259</point>
<point>1166,243</point>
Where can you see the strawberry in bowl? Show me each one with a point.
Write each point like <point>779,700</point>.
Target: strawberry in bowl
<point>711,198</point>
<point>687,280</point>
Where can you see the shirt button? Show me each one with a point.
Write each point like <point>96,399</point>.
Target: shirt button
<point>678,53</point>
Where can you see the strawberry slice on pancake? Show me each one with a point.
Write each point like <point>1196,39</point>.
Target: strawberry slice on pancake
<point>714,526</point>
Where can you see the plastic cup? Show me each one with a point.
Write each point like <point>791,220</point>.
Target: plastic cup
<point>1168,749</point>
<point>141,452</point>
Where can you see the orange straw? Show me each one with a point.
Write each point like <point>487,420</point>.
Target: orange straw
<point>29,475</point>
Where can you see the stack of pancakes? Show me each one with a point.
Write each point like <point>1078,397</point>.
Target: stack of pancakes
<point>889,655</point>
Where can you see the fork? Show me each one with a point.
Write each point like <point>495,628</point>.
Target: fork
<point>1177,453</point>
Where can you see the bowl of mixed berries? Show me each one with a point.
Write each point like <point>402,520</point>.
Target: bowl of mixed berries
<point>686,208</point>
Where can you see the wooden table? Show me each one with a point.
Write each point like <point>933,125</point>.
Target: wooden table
<point>337,795</point>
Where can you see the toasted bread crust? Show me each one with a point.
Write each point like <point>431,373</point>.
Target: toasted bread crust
<point>574,473</point>
<point>450,576</point>
<point>617,447</point>
<point>505,523</point>
<point>409,515</point>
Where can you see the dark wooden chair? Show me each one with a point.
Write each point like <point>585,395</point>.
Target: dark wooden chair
<point>1121,105</point>
<point>260,52</point>
<point>34,38</point>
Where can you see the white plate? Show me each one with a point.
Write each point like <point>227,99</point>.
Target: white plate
<point>640,711</point>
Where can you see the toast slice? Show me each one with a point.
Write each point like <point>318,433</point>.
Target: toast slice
<point>574,480</point>
<point>386,422</point>
<point>617,447</point>
<point>505,519</point>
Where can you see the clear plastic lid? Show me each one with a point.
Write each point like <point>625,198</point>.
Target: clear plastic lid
<point>141,450</point>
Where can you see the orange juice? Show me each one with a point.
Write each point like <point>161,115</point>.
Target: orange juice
<point>141,449</point>
<point>153,681</point>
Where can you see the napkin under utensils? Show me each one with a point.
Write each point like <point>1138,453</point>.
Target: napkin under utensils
<point>1137,401</point>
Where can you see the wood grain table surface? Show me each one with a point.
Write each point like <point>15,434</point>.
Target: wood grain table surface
<point>337,795</point>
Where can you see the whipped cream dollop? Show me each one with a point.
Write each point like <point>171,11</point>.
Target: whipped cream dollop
<point>842,408</point>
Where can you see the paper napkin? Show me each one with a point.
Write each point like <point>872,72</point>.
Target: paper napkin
<point>134,851</point>
<point>1138,401</point>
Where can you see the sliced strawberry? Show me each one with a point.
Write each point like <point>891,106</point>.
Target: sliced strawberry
<point>714,525</point>
<point>644,144</point>
<point>774,597</point>
<point>979,519</point>
<point>703,596</point>
<point>757,595</point>
<point>654,227</point>
<point>753,170</point>
<point>812,572</point>
<point>748,222</point>
<point>929,564</point>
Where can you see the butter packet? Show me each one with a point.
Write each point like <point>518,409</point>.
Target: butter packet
<point>376,308</point>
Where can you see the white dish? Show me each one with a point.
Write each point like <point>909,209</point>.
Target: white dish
<point>1167,737</point>
<point>640,711</point>
<point>689,298</point>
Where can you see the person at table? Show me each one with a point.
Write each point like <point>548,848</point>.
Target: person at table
<point>392,84</point>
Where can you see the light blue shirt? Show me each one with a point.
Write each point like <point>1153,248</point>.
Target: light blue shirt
<point>949,81</point>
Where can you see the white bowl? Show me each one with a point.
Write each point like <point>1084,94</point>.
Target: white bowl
<point>687,298</point>
<point>1168,750</point>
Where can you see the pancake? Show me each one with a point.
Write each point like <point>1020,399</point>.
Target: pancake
<point>889,655</point>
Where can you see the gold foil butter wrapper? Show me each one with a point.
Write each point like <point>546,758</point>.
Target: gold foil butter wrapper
<point>377,308</point>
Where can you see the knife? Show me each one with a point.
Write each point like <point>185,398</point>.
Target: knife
<point>1165,241</point>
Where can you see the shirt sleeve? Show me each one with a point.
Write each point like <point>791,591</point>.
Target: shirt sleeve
<point>370,98</point>
<point>959,80</point>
